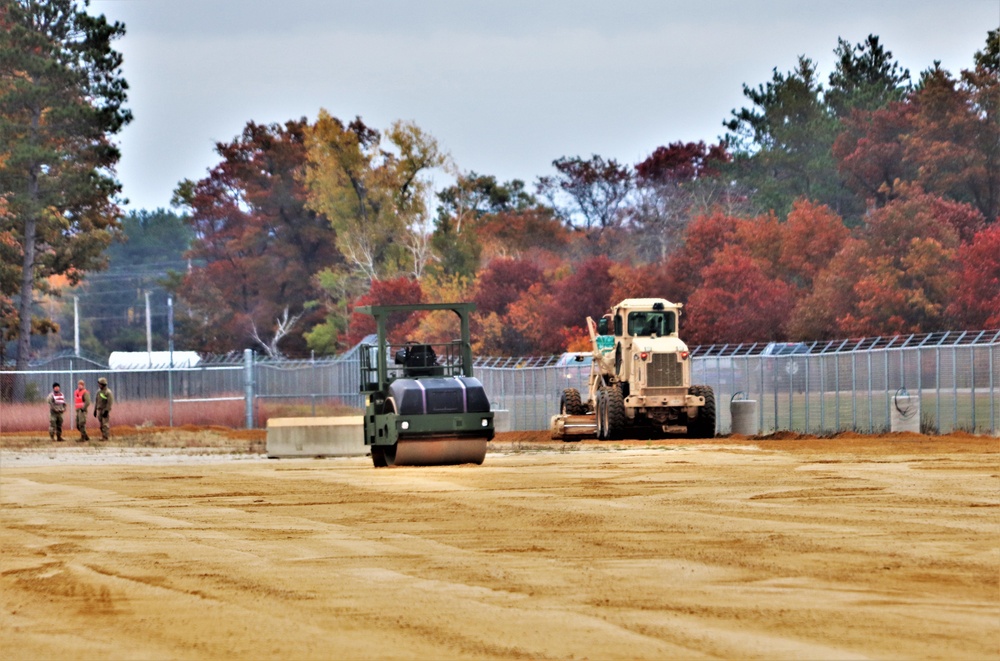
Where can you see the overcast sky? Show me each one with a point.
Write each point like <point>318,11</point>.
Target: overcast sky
<point>505,87</point>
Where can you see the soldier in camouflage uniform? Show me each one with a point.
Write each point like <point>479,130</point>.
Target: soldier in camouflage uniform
<point>57,406</point>
<point>102,406</point>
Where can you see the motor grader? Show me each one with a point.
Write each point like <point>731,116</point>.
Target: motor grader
<point>640,379</point>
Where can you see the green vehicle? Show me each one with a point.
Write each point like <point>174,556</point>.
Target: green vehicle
<point>426,408</point>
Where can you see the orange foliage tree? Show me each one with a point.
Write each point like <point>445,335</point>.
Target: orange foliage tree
<point>976,299</point>
<point>897,277</point>
<point>738,301</point>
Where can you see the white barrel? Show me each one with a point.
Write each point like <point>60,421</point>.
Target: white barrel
<point>904,414</point>
<point>744,415</point>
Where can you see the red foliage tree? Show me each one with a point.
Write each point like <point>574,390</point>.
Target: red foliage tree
<point>976,298</point>
<point>810,237</point>
<point>588,291</point>
<point>706,235</point>
<point>869,151</point>
<point>955,139</point>
<point>896,278</point>
<point>530,329</point>
<point>679,161</point>
<point>400,325</point>
<point>502,282</point>
<point>738,301</point>
<point>257,246</point>
<point>521,232</point>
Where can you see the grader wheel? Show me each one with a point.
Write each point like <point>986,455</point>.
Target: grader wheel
<point>703,426</point>
<point>571,403</point>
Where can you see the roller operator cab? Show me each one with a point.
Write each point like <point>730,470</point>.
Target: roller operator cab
<point>425,408</point>
<point>640,380</point>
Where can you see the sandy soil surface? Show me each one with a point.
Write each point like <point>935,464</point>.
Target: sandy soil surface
<point>191,545</point>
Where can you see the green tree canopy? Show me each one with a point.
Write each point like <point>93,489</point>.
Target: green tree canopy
<point>781,145</point>
<point>62,99</point>
<point>865,78</point>
<point>373,188</point>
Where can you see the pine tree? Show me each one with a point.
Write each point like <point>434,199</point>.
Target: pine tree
<point>62,99</point>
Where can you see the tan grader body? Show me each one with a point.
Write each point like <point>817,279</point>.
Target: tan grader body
<point>640,379</point>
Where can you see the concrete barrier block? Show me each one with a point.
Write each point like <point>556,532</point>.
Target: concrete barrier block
<point>904,415</point>
<point>501,420</point>
<point>340,436</point>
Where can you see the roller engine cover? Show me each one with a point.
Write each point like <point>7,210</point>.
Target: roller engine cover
<point>459,394</point>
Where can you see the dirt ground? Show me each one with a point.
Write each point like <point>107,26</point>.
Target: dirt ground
<point>189,544</point>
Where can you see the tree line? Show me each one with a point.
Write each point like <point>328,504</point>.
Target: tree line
<point>863,205</point>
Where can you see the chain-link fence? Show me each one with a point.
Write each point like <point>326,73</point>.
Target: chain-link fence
<point>818,388</point>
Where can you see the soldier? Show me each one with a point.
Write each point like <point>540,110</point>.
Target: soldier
<point>57,406</point>
<point>102,406</point>
<point>81,400</point>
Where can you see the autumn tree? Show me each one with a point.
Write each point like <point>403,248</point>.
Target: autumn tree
<point>783,144</point>
<point>550,314</point>
<point>976,299</point>
<point>897,277</point>
<point>462,208</point>
<point>705,236</point>
<point>954,141</point>
<point>62,100</point>
<point>443,326</point>
<point>533,234</point>
<point>810,237</point>
<point>502,282</point>
<point>589,194</point>
<point>738,301</point>
<point>869,152</point>
<point>500,285</point>
<point>673,184</point>
<point>587,291</point>
<point>373,188</point>
<point>400,326</point>
<point>257,246</point>
<point>10,256</point>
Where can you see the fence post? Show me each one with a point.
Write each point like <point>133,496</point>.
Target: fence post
<point>248,384</point>
<point>972,384</point>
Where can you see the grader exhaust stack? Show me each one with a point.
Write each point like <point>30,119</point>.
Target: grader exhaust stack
<point>426,408</point>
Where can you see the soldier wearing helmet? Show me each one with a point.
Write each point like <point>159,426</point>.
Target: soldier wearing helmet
<point>102,406</point>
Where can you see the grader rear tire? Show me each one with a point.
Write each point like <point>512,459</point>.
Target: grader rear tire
<point>571,403</point>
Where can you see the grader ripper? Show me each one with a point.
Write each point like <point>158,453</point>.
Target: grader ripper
<point>640,379</point>
<point>427,409</point>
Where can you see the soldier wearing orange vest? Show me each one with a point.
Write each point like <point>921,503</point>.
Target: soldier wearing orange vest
<point>82,402</point>
<point>57,406</point>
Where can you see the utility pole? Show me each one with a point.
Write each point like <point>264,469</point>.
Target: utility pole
<point>170,328</point>
<point>149,332</point>
<point>170,346</point>
<point>76,326</point>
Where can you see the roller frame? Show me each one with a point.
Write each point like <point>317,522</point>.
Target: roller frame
<point>431,438</point>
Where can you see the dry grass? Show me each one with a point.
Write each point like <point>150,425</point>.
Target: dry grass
<point>156,413</point>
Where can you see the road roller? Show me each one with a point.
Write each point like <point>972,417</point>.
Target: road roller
<point>424,408</point>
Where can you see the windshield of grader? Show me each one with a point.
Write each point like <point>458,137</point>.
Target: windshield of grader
<point>650,323</point>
